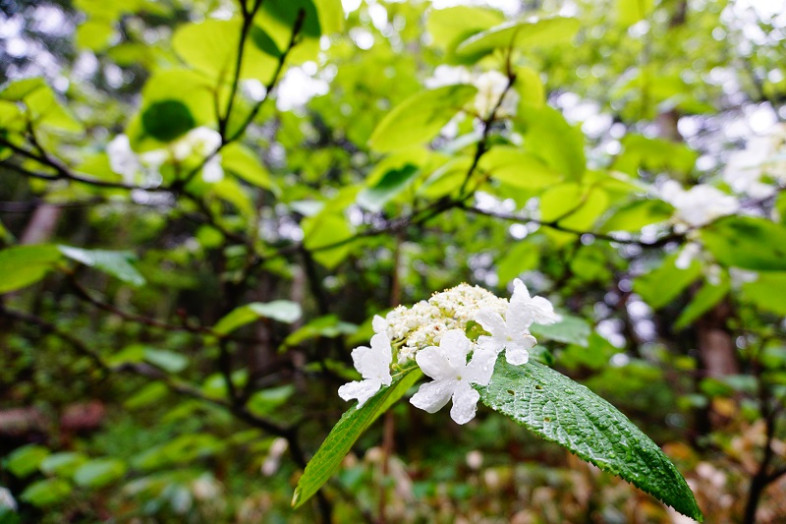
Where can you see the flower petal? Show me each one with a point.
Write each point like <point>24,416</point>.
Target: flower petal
<point>516,355</point>
<point>431,397</point>
<point>491,322</point>
<point>359,389</point>
<point>433,363</point>
<point>455,347</point>
<point>481,367</point>
<point>465,404</point>
<point>379,324</point>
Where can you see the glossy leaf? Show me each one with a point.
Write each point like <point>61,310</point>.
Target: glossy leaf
<point>560,410</point>
<point>388,187</point>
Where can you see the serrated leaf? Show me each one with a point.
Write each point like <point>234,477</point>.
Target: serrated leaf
<point>281,310</point>
<point>569,330</point>
<point>560,410</point>
<point>115,263</point>
<point>747,243</point>
<point>99,472</point>
<point>419,118</point>
<point>21,266</point>
<point>46,492</point>
<point>344,434</point>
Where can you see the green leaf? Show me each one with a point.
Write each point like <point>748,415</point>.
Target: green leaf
<point>449,27</point>
<point>115,263</point>
<point>25,460</point>
<point>573,206</point>
<point>21,266</point>
<point>551,138</point>
<point>747,243</point>
<point>631,11</point>
<point>518,168</point>
<point>661,286</point>
<point>324,231</point>
<point>211,47</point>
<point>637,214</point>
<point>521,34</point>
<point>166,120</point>
<point>166,360</point>
<point>419,118</point>
<point>522,256</point>
<point>766,292</point>
<point>329,326</point>
<point>703,301</point>
<point>264,402</point>
<point>64,463</point>
<point>569,330</point>
<point>339,441</point>
<point>94,35</point>
<point>560,410</point>
<point>282,310</point>
<point>46,492</point>
<point>654,154</point>
<point>391,184</point>
<point>241,161</point>
<point>149,394</point>
<point>17,90</point>
<point>99,472</point>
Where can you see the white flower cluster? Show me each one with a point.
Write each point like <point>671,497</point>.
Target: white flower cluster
<point>433,333</point>
<point>491,86</point>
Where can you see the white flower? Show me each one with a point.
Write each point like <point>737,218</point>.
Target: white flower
<point>201,141</point>
<point>445,75</point>
<point>122,159</point>
<point>453,376</point>
<point>689,253</point>
<point>763,155</point>
<point>697,206</point>
<point>512,334</point>
<point>491,86</point>
<point>373,364</point>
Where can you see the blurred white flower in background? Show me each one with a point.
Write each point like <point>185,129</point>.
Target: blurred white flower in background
<point>698,206</point>
<point>763,156</point>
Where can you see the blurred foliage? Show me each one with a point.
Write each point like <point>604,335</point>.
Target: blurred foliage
<point>204,202</point>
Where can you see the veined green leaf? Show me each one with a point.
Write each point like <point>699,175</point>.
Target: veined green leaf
<point>420,117</point>
<point>560,410</point>
<point>344,434</point>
